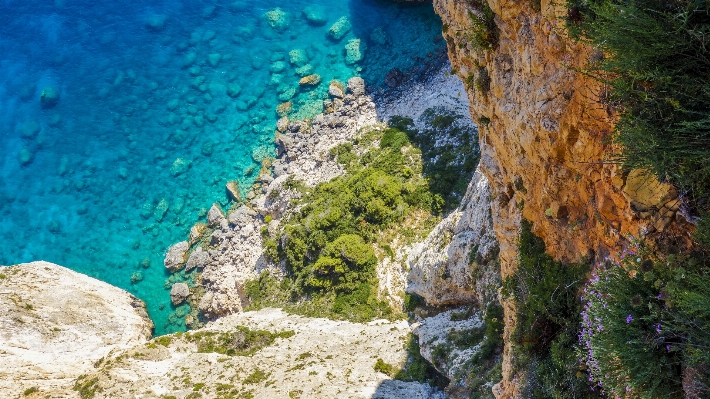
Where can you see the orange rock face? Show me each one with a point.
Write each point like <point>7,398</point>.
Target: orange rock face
<point>545,148</point>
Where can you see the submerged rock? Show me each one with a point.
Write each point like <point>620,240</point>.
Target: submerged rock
<point>336,89</point>
<point>315,15</point>
<point>156,22</point>
<point>310,80</point>
<point>175,258</point>
<point>354,51</point>
<point>25,157</point>
<point>30,130</point>
<point>340,28</point>
<point>298,57</point>
<point>179,293</point>
<point>284,109</point>
<point>277,19</point>
<point>233,191</point>
<point>49,97</point>
<point>179,167</point>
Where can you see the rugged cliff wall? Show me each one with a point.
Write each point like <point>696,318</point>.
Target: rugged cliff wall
<point>544,139</point>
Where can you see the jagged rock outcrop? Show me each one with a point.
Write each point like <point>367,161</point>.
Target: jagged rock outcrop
<point>320,359</point>
<point>56,323</point>
<point>544,140</point>
<point>458,262</point>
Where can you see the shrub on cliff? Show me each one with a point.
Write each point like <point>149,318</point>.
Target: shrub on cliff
<point>646,326</point>
<point>328,245</point>
<point>547,322</point>
<point>656,62</point>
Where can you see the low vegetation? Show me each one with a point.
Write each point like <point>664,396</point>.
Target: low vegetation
<point>239,342</point>
<point>655,60</point>
<point>328,245</point>
<point>548,321</point>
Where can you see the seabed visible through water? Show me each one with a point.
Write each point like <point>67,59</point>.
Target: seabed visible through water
<point>120,123</point>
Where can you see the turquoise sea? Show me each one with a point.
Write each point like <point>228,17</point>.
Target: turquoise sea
<point>121,121</point>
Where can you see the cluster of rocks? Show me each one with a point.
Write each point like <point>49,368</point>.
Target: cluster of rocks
<point>228,249</point>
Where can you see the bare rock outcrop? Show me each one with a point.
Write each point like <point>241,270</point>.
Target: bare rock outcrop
<point>56,323</point>
<point>458,261</point>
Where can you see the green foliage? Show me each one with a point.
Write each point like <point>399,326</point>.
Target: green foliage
<point>165,340</point>
<point>30,391</point>
<point>412,301</point>
<point>536,5</point>
<point>417,368</point>
<point>483,81</point>
<point>484,33</point>
<point>656,62</point>
<point>86,388</point>
<point>547,324</point>
<point>647,320</point>
<point>328,245</point>
<point>702,232</point>
<point>449,151</point>
<point>240,342</point>
<point>384,368</point>
<point>257,377</point>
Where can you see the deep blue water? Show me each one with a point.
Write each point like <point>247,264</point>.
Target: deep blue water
<point>160,104</point>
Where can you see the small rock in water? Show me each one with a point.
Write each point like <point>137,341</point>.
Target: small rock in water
<point>53,227</point>
<point>146,210</point>
<point>310,80</point>
<point>305,70</point>
<point>394,77</point>
<point>145,263</point>
<point>314,15</point>
<point>298,57</point>
<point>277,19</point>
<point>161,209</point>
<point>378,37</point>
<point>284,109</point>
<point>233,90</point>
<point>282,124</point>
<point>214,59</point>
<point>156,22</point>
<point>354,51</point>
<point>55,120</point>
<point>29,130</point>
<point>123,173</point>
<point>340,28</point>
<point>278,66</point>
<point>207,148</point>
<point>136,277</point>
<point>179,167</point>
<point>233,191</point>
<point>336,89</point>
<point>25,157</point>
<point>49,97</point>
<point>209,12</point>
<point>175,258</point>
<point>179,293</point>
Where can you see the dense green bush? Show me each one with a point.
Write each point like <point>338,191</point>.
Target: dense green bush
<point>327,245</point>
<point>547,323</point>
<point>484,35</point>
<point>656,62</point>
<point>450,153</point>
<point>644,322</point>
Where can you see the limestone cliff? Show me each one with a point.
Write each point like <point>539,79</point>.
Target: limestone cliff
<point>56,323</point>
<point>544,141</point>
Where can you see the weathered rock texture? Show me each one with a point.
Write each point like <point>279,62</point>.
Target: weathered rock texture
<point>458,261</point>
<point>56,323</point>
<point>544,148</point>
<point>323,359</point>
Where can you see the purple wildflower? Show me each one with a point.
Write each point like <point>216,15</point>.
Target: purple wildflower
<point>629,318</point>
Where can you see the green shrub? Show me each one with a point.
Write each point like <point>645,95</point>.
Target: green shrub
<point>656,62</point>
<point>30,391</point>
<point>240,342</point>
<point>86,388</point>
<point>417,368</point>
<point>384,368</point>
<point>484,33</point>
<point>483,81</point>
<point>257,377</point>
<point>645,320</point>
<point>547,321</point>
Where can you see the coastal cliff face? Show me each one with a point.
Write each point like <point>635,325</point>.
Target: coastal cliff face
<point>544,137</point>
<point>56,323</point>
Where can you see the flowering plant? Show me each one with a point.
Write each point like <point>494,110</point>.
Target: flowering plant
<point>628,340</point>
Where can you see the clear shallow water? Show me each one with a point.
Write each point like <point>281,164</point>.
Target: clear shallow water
<point>160,104</point>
